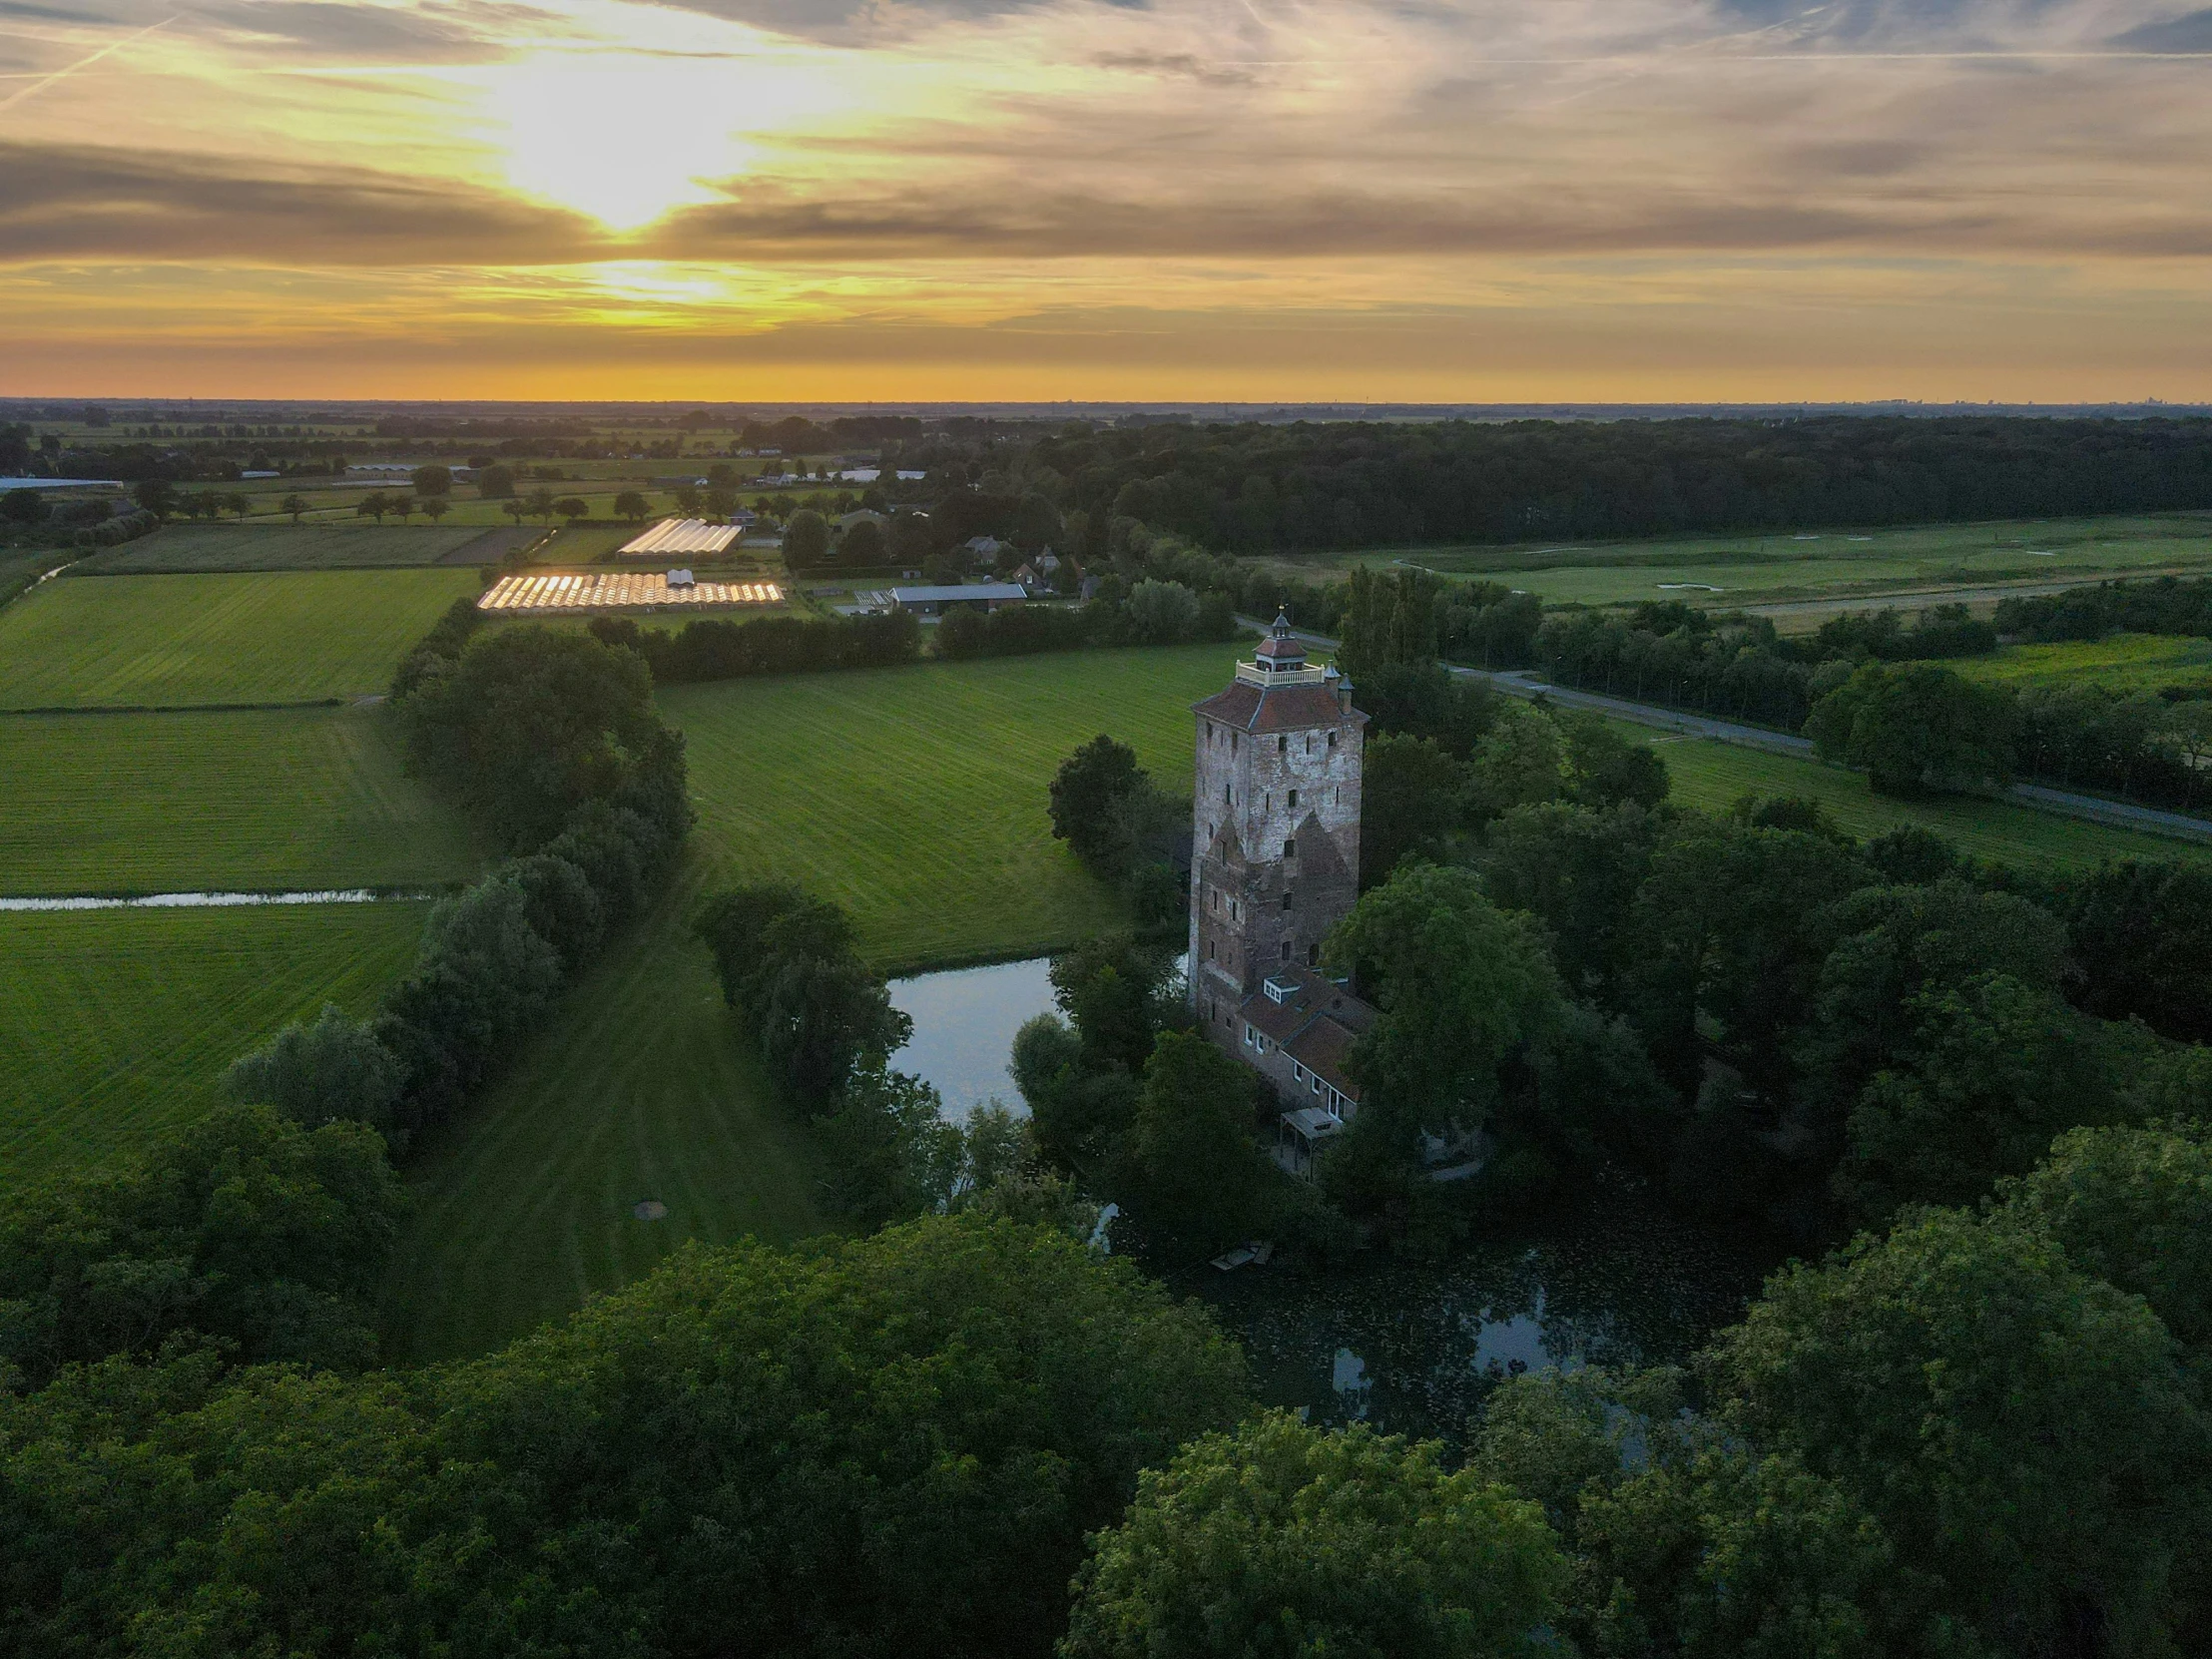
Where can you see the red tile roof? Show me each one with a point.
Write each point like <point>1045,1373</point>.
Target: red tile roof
<point>1277,708</point>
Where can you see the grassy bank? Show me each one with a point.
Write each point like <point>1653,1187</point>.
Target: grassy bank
<point>169,641</point>
<point>247,800</point>
<point>114,1024</point>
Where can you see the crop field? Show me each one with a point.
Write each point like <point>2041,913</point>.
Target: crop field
<point>181,640</point>
<point>1711,776</point>
<point>1818,565</point>
<point>358,545</point>
<point>2125,662</point>
<point>259,799</point>
<point>114,1024</point>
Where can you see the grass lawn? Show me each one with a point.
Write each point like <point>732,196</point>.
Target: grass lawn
<point>1726,571</point>
<point>116,1023</point>
<point>2125,662</point>
<point>200,801</point>
<point>166,641</point>
<point>188,548</point>
<point>916,796</point>
<point>912,796</point>
<point>1711,776</point>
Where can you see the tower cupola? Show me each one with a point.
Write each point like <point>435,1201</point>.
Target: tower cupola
<point>1280,659</point>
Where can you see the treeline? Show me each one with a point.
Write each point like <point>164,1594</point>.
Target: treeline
<point>1254,488</point>
<point>2168,605</point>
<point>550,740</point>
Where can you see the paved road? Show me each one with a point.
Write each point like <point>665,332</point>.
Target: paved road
<point>1527,683</point>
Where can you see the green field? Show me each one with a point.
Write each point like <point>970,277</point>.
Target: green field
<point>202,800</point>
<point>912,796</point>
<point>1710,775</point>
<point>1819,563</point>
<point>116,1023</point>
<point>182,549</point>
<point>170,641</point>
<point>915,798</point>
<point>2125,662</point>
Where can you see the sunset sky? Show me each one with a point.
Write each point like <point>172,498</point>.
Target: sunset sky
<point>1447,199</point>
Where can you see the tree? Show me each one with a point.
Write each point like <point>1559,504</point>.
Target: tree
<point>432,481</point>
<point>2020,1430</point>
<point>1603,769</point>
<point>806,540</point>
<point>1992,1070</point>
<point>331,1070</point>
<point>295,505</point>
<point>2133,1206</point>
<point>1519,761</point>
<point>157,495</point>
<point>2141,935</point>
<point>1196,1172</point>
<point>1415,801</point>
<point>1161,613</point>
<point>405,506</point>
<point>1085,791</point>
<point>686,500</point>
<point>375,504</point>
<point>435,508</point>
<point>1460,984</point>
<point>1916,729</point>
<point>1282,1539</point>
<point>495,484</point>
<point>23,507</point>
<point>542,506</point>
<point>862,546</point>
<point>631,505</point>
<point>242,1227</point>
<point>238,504</point>
<point>1577,872</point>
<point>573,508</point>
<point>515,508</point>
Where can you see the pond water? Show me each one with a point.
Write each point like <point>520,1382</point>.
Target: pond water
<point>1605,1275</point>
<point>964,1025</point>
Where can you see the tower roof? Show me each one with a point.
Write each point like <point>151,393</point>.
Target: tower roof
<point>1281,647</point>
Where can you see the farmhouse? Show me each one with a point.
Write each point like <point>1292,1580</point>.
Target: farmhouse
<point>1276,825</point>
<point>676,536</point>
<point>556,593</point>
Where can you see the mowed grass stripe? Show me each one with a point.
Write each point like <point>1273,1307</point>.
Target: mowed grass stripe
<point>115,1025</point>
<point>915,798</point>
<point>643,1087</point>
<point>250,799</point>
<point>172,641</point>
<point>1713,775</point>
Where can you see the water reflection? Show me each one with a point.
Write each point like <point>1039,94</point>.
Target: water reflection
<point>964,1025</point>
<point>1611,1277</point>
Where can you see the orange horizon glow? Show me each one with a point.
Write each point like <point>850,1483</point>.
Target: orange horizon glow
<point>792,200</point>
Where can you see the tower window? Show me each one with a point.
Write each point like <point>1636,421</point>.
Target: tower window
<point>1226,798</point>
<point>1312,954</point>
<point>1282,746</point>
<point>1231,743</point>
<point>1286,899</point>
<point>1332,740</point>
<point>1289,848</point>
<point>1293,798</point>
<point>1285,950</point>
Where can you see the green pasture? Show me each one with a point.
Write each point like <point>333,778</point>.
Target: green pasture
<point>179,549</point>
<point>912,796</point>
<point>204,800</point>
<point>2124,662</point>
<point>115,1025</point>
<point>171,641</point>
<point>1816,563</point>
<point>916,796</point>
<point>1711,776</point>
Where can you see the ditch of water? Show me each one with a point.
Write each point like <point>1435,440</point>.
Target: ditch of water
<point>1605,1275</point>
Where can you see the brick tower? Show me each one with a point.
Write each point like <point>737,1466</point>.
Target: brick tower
<point>1276,830</point>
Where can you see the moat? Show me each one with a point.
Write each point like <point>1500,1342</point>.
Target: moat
<point>1606,1276</point>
